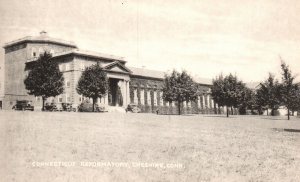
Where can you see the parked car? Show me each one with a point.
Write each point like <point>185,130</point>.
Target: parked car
<point>50,107</point>
<point>59,107</point>
<point>74,107</point>
<point>133,108</point>
<point>86,107</point>
<point>66,107</point>
<point>23,105</point>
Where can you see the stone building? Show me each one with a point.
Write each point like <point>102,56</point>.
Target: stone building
<point>127,84</point>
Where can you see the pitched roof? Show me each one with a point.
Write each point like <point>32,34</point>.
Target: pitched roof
<point>147,73</point>
<point>91,54</point>
<point>111,65</point>
<point>160,75</point>
<point>40,39</point>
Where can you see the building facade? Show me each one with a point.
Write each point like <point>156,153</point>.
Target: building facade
<point>126,84</point>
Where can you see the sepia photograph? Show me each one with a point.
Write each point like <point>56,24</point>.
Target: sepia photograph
<point>154,91</point>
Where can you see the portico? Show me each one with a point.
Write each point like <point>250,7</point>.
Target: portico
<point>118,93</point>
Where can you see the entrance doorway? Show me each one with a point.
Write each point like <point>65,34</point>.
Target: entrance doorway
<point>115,97</point>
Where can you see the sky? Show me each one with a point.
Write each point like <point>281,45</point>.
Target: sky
<point>204,37</point>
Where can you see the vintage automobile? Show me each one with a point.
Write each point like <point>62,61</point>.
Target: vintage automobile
<point>133,108</point>
<point>88,107</point>
<point>50,107</point>
<point>60,107</point>
<point>23,105</point>
<point>66,107</point>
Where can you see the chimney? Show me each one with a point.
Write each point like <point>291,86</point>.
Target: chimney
<point>43,33</point>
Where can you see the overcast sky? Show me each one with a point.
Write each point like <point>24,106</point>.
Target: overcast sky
<point>205,37</point>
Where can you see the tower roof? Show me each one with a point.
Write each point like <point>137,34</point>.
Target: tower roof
<point>42,38</point>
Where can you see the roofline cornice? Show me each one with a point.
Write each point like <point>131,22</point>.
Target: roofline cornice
<point>88,55</point>
<point>28,40</point>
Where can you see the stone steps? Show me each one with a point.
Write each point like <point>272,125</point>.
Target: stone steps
<point>116,109</point>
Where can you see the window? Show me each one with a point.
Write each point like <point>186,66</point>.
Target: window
<point>67,67</point>
<point>82,66</point>
<point>68,83</point>
<point>33,52</point>
<point>38,99</point>
<point>41,50</point>
<point>68,99</point>
<point>60,99</point>
<point>62,67</point>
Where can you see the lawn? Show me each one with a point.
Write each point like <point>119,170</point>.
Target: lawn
<point>147,147</point>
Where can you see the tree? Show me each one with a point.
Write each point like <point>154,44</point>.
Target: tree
<point>268,95</point>
<point>246,100</point>
<point>217,92</point>
<point>179,87</point>
<point>261,99</point>
<point>289,90</point>
<point>295,97</point>
<point>226,91</point>
<point>93,83</point>
<point>44,79</point>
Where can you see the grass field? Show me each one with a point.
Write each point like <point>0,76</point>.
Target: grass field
<point>147,147</point>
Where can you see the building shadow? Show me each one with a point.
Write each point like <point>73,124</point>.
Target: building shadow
<point>218,116</point>
<point>271,118</point>
<point>286,130</point>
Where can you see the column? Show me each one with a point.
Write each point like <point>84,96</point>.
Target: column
<point>127,93</point>
<point>167,104</point>
<point>135,98</point>
<point>123,91</point>
<point>161,101</point>
<point>199,102</point>
<point>203,102</point>
<point>189,104</point>
<point>106,99</point>
<point>184,103</point>
<point>213,106</point>
<point>155,98</point>
<point>142,97</point>
<point>148,98</point>
<point>208,103</point>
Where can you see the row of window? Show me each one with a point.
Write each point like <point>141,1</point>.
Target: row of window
<point>67,66</point>
<point>65,98</point>
<point>60,99</point>
<point>64,67</point>
<point>36,52</point>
